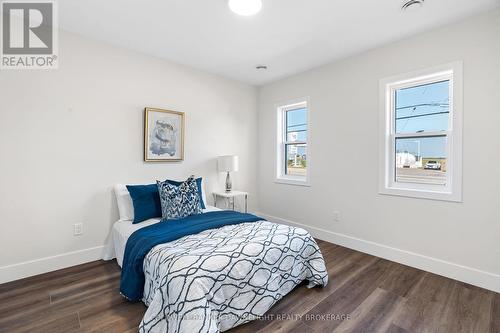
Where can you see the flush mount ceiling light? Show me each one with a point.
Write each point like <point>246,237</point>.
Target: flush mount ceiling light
<point>412,4</point>
<point>261,67</point>
<point>245,7</point>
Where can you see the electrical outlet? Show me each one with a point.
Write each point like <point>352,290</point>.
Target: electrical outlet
<point>78,229</point>
<point>336,216</point>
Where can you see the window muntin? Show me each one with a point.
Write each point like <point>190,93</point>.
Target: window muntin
<point>292,143</point>
<point>421,145</point>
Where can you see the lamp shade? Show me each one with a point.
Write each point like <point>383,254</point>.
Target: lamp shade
<point>227,163</point>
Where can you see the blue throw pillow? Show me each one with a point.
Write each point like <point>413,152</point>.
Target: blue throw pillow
<point>200,189</point>
<point>179,201</point>
<point>146,201</point>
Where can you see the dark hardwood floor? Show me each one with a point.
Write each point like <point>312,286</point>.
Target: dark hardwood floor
<point>364,294</point>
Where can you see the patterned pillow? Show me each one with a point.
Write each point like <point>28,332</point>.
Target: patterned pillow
<point>179,201</point>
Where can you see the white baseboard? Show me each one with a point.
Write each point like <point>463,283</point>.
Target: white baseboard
<point>451,270</point>
<point>458,272</point>
<point>49,264</point>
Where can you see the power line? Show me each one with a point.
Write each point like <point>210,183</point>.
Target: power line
<point>297,125</point>
<point>423,115</point>
<point>425,104</point>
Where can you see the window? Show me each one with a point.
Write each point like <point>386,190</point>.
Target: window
<point>293,158</point>
<point>421,134</point>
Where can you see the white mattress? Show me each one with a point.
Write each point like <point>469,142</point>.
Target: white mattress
<point>123,229</point>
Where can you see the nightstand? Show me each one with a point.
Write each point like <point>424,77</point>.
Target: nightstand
<point>230,196</point>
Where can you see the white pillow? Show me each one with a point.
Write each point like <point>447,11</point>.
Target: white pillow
<point>125,205</point>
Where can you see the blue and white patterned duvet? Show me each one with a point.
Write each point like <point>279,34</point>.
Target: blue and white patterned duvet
<point>221,278</point>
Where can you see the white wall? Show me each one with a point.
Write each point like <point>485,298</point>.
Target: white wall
<point>68,135</point>
<point>461,240</point>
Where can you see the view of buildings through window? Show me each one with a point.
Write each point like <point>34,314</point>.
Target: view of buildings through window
<point>296,142</point>
<point>421,124</point>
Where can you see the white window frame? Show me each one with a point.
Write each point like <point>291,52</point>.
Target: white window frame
<point>280,165</point>
<point>452,191</point>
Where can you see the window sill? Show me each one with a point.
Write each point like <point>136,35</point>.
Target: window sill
<point>290,181</point>
<point>422,194</point>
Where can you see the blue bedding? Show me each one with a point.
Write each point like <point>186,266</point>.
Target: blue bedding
<point>143,240</point>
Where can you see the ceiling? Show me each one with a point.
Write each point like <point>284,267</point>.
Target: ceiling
<point>289,36</point>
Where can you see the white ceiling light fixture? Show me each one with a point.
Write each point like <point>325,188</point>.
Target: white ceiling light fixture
<point>412,4</point>
<point>245,7</point>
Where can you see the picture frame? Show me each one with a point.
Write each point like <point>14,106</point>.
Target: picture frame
<point>163,135</point>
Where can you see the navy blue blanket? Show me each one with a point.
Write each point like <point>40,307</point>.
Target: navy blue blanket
<point>143,240</point>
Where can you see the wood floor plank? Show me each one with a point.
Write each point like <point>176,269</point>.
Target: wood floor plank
<point>495,314</point>
<point>374,314</point>
<point>376,294</point>
<point>56,279</point>
<point>301,328</point>
<point>65,324</point>
<point>433,288</point>
<point>289,317</point>
<point>100,301</point>
<point>443,305</point>
<point>347,298</point>
<point>82,288</point>
<point>401,279</point>
<point>469,309</point>
<point>14,305</point>
<point>299,297</point>
<point>418,315</point>
<point>126,315</point>
<point>396,329</point>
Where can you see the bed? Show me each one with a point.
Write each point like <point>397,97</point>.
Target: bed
<point>219,278</point>
<point>122,230</point>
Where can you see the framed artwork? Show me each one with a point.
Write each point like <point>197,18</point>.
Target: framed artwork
<point>163,135</point>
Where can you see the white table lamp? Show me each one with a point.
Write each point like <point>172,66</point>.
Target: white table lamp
<point>228,163</point>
